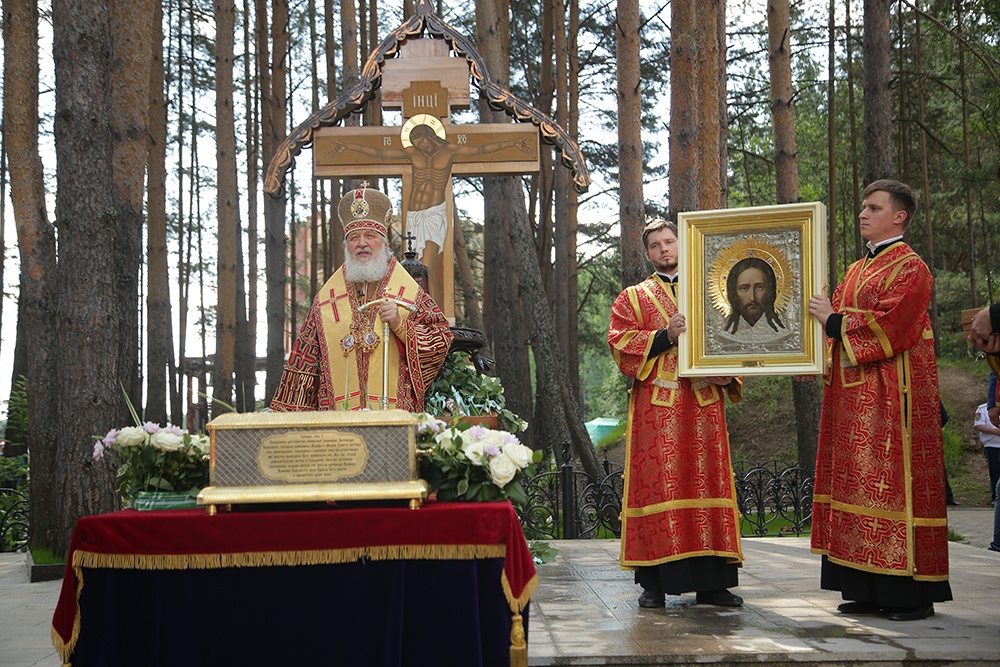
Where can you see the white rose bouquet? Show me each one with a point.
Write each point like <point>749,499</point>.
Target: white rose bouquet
<point>465,462</point>
<point>155,458</point>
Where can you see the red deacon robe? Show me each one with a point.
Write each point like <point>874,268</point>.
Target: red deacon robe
<point>879,497</point>
<point>680,498</point>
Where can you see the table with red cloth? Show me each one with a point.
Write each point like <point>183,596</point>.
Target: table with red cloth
<point>448,583</point>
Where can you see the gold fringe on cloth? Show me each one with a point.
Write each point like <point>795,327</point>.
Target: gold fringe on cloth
<point>64,649</point>
<point>83,559</point>
<point>517,604</point>
<point>518,645</point>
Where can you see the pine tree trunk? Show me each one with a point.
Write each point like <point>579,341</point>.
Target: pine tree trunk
<point>831,143</point>
<point>159,334</point>
<point>36,241</point>
<point>509,345</point>
<point>805,389</point>
<point>246,356</point>
<point>631,205</point>
<point>274,207</point>
<point>225,138</point>
<point>927,211</point>
<point>131,57</point>
<point>878,95</point>
<point>852,114</point>
<point>89,394</point>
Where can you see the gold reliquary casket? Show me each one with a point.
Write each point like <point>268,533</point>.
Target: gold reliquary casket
<point>286,457</point>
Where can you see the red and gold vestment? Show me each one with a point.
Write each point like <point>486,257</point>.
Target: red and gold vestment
<point>879,496</point>
<point>337,360</point>
<point>679,497</point>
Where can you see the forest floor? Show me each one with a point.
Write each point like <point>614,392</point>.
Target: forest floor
<point>761,435</point>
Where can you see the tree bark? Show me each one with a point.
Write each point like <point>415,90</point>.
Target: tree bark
<point>274,207</point>
<point>508,341</point>
<point>225,138</point>
<point>831,145</point>
<point>246,356</point>
<point>631,205</point>
<point>131,60</point>
<point>470,300</point>
<point>36,241</point>
<point>852,114</point>
<point>928,217</point>
<point>878,96</point>
<point>89,391</point>
<point>159,337</point>
<point>805,391</point>
<point>564,294</point>
<point>696,148</point>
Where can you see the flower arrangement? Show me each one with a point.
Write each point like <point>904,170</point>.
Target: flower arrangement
<point>465,462</point>
<point>154,458</point>
<point>459,389</point>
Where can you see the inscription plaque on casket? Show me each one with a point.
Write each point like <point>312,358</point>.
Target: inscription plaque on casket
<point>279,457</point>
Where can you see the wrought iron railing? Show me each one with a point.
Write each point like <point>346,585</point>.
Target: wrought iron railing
<point>567,503</point>
<point>13,520</point>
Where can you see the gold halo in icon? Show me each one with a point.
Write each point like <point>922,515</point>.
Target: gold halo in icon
<point>430,121</point>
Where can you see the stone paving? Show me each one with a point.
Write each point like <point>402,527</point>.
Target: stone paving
<point>585,613</point>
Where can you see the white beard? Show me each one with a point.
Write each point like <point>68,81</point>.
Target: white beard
<point>372,271</point>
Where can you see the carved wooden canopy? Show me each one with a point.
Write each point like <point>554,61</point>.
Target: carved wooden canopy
<point>424,21</point>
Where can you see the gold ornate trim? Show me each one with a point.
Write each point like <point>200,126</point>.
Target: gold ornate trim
<point>415,491</point>
<point>424,21</point>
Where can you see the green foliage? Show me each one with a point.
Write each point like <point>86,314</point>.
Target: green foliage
<point>952,447</point>
<point>614,436</point>
<point>153,459</point>
<point>16,431</point>
<point>459,389</point>
<point>465,462</point>
<point>14,472</point>
<point>542,552</point>
<point>45,556</point>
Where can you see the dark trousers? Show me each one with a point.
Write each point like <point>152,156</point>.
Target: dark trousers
<point>993,463</point>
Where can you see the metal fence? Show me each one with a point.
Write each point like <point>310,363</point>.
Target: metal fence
<point>567,503</point>
<point>13,520</point>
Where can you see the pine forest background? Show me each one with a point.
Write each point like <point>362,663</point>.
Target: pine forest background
<point>148,262</point>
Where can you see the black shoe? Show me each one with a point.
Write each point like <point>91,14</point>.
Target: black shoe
<point>720,598</point>
<point>912,613</point>
<point>651,600</point>
<point>859,607</point>
<point>993,547</point>
<point>953,502</point>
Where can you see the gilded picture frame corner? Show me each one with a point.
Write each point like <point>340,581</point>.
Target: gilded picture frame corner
<point>783,250</point>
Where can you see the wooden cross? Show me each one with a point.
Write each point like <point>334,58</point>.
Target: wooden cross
<point>427,151</point>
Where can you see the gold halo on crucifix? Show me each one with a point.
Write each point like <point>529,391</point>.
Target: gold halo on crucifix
<point>430,121</point>
<point>750,246</point>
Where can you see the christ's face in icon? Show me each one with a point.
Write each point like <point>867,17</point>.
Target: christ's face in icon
<point>751,291</point>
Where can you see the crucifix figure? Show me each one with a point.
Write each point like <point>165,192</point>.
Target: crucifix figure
<point>426,152</point>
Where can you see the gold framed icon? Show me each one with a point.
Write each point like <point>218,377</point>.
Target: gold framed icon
<point>749,275</point>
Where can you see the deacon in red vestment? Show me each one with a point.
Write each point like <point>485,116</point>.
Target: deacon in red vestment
<point>680,523</point>
<point>339,356</point>
<point>879,516</point>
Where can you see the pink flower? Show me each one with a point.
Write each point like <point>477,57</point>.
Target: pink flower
<point>151,428</point>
